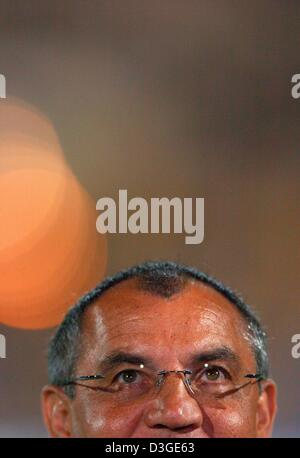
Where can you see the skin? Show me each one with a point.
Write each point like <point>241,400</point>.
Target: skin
<point>168,331</point>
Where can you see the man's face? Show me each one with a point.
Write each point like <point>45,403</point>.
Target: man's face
<point>168,333</point>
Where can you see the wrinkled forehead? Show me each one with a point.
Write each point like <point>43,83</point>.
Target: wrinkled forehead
<point>195,318</point>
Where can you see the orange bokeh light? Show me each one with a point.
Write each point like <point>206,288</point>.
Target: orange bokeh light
<point>50,251</point>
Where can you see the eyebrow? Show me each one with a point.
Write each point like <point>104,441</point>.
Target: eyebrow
<point>116,358</point>
<point>217,354</point>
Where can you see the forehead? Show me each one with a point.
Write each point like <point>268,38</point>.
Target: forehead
<point>198,318</point>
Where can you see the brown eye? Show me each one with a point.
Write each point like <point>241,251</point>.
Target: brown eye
<point>128,376</point>
<point>212,374</point>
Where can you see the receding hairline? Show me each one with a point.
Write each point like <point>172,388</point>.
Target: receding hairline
<point>136,285</point>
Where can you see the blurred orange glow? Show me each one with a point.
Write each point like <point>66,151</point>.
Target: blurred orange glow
<point>50,251</point>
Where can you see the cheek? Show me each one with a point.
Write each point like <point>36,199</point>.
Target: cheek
<point>91,418</point>
<point>233,421</point>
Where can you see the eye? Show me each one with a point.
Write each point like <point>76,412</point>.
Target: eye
<point>127,376</point>
<point>214,374</point>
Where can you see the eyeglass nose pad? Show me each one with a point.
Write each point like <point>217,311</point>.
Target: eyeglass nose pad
<point>188,383</point>
<point>162,375</point>
<point>161,378</point>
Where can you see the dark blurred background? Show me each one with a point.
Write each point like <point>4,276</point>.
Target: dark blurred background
<point>171,98</point>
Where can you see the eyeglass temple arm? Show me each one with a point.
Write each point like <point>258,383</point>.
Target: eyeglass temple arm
<point>258,377</point>
<point>82,378</point>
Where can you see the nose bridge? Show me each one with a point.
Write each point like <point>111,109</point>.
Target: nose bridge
<point>172,380</point>
<point>173,389</point>
<point>173,406</point>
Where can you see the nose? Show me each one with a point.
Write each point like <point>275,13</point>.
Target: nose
<point>174,408</point>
